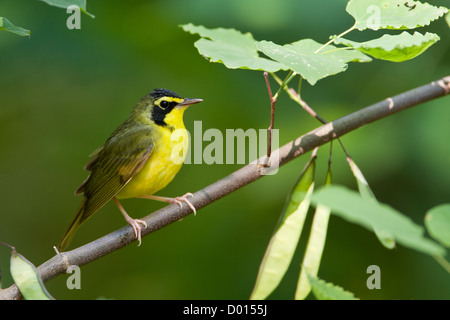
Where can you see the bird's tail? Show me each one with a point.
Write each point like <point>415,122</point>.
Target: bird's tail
<point>73,227</point>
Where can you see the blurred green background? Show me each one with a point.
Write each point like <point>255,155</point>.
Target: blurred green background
<point>63,91</point>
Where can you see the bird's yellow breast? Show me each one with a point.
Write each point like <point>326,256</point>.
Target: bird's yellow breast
<point>167,157</point>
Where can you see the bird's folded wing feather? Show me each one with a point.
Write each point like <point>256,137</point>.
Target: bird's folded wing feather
<point>113,165</point>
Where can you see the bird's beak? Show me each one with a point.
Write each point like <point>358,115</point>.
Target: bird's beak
<point>188,102</point>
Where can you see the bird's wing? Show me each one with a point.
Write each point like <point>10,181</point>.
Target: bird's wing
<point>88,167</point>
<point>112,166</point>
<point>93,160</point>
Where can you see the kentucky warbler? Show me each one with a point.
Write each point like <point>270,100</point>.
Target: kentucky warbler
<point>139,158</point>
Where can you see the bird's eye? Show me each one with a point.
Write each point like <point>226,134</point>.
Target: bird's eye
<point>164,104</point>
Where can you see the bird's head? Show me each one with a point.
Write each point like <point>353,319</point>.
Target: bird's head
<point>164,107</point>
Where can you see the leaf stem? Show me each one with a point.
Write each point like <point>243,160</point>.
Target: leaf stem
<point>338,36</point>
<point>444,263</point>
<point>285,82</point>
<point>299,86</point>
<point>339,49</point>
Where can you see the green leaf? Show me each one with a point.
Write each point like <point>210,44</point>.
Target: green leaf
<point>363,185</point>
<point>328,291</point>
<point>6,25</point>
<point>314,248</point>
<point>302,58</point>
<point>393,14</point>
<point>373,215</point>
<point>437,221</point>
<point>27,278</point>
<point>447,18</point>
<point>66,3</point>
<point>230,47</point>
<point>395,48</point>
<point>282,245</point>
<point>386,240</point>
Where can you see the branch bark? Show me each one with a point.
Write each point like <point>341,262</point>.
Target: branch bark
<point>248,174</point>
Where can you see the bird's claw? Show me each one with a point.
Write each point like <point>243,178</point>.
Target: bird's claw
<point>134,223</point>
<point>179,200</point>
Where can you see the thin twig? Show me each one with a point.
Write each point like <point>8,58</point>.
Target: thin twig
<point>273,100</point>
<point>272,117</point>
<point>297,98</point>
<point>244,176</point>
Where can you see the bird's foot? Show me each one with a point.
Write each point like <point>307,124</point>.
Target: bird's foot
<point>177,200</point>
<point>136,225</point>
<point>183,198</point>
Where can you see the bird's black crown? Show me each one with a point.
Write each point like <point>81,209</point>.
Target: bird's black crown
<point>159,93</point>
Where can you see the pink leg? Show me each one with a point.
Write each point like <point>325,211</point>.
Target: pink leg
<point>177,200</point>
<point>134,223</point>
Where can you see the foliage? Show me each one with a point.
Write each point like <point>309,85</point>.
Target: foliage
<point>282,245</point>
<point>312,61</point>
<point>327,291</point>
<point>392,14</point>
<point>437,221</point>
<point>6,25</point>
<point>232,48</point>
<point>373,215</point>
<point>26,277</point>
<point>238,50</point>
<point>66,3</point>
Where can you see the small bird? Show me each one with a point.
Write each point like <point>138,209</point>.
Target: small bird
<point>139,158</point>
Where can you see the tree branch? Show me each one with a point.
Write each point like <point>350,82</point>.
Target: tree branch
<point>248,174</point>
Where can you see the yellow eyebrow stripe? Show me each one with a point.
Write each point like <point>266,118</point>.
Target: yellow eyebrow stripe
<point>169,99</point>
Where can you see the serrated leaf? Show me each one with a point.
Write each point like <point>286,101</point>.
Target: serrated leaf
<point>328,291</point>
<point>314,248</point>
<point>66,3</point>
<point>6,25</point>
<point>365,191</point>
<point>437,221</point>
<point>395,48</point>
<point>230,47</point>
<point>302,58</point>
<point>350,206</point>
<point>284,241</point>
<point>393,14</point>
<point>27,278</point>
